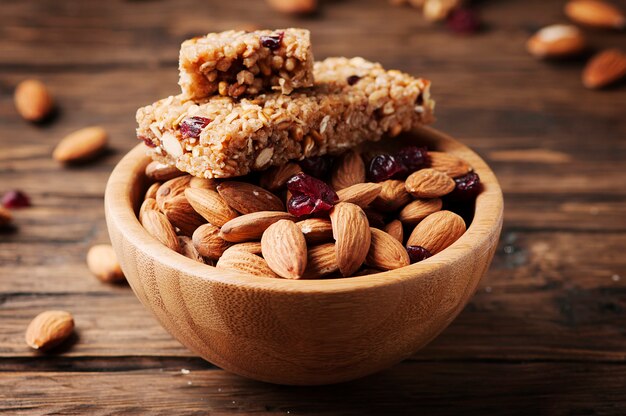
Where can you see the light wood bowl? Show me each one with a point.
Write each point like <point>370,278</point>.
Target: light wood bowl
<point>302,332</point>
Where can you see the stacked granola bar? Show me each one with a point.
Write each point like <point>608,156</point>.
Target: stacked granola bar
<point>209,132</point>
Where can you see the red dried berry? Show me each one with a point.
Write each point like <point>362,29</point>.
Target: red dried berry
<point>467,187</point>
<point>192,127</point>
<point>309,195</point>
<point>146,141</point>
<point>353,79</point>
<point>413,157</point>
<point>316,166</point>
<point>15,199</point>
<point>272,41</point>
<point>463,21</point>
<point>383,167</point>
<point>417,253</point>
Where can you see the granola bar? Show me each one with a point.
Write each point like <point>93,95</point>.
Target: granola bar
<point>238,63</point>
<point>352,101</point>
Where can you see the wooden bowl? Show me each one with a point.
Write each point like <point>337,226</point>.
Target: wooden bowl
<point>303,332</point>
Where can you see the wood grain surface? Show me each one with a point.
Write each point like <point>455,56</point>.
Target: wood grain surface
<point>545,333</point>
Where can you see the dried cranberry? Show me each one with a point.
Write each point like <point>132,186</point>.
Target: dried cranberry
<point>353,79</point>
<point>146,141</point>
<point>15,199</point>
<point>272,41</point>
<point>309,195</point>
<point>413,157</point>
<point>417,253</point>
<point>467,187</point>
<point>383,167</point>
<point>192,127</point>
<point>464,21</point>
<point>317,166</point>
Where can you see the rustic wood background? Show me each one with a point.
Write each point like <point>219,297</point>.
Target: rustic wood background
<point>545,333</point>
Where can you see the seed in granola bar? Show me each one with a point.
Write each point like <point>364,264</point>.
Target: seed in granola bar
<point>467,187</point>
<point>413,157</point>
<point>463,20</point>
<point>309,195</point>
<point>353,79</point>
<point>417,253</point>
<point>384,166</point>
<point>15,199</point>
<point>316,166</point>
<point>192,127</point>
<point>272,41</point>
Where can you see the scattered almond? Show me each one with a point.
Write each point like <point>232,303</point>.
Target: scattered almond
<point>33,100</point>
<point>419,209</point>
<point>437,231</point>
<point>352,234</point>
<point>429,183</point>
<point>385,252</point>
<point>449,164</point>
<point>251,226</point>
<point>321,260</point>
<point>393,195</point>
<point>159,227</point>
<point>557,41</point>
<point>81,145</point>
<point>361,194</point>
<point>275,178</point>
<point>348,170</point>
<point>247,198</point>
<point>171,189</point>
<point>162,172</point>
<point>395,229</point>
<point>188,250</point>
<point>102,262</point>
<point>438,10</point>
<point>316,230</point>
<point>182,215</point>
<point>49,329</point>
<point>5,216</point>
<point>210,205</point>
<point>293,6</point>
<point>604,69</point>
<point>595,13</point>
<point>284,248</point>
<point>207,240</point>
<point>242,261</point>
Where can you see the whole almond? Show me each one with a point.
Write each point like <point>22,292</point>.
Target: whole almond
<point>49,329</point>
<point>595,13</point>
<point>604,69</point>
<point>385,252</point>
<point>171,189</point>
<point>203,183</point>
<point>437,231</point>
<point>429,183</point>
<point>33,100</point>
<point>348,170</point>
<point>316,230</point>
<point>147,204</point>
<point>275,178</point>
<point>152,191</point>
<point>162,172</point>
<point>188,250</point>
<point>81,145</point>
<point>182,215</point>
<point>392,196</point>
<point>253,247</point>
<point>5,216</point>
<point>449,164</point>
<point>284,248</point>
<point>395,229</point>
<point>293,6</point>
<point>251,226</point>
<point>159,227</point>
<point>207,240</point>
<point>242,261</point>
<point>361,194</point>
<point>247,198</point>
<point>102,262</point>
<point>419,209</point>
<point>352,234</point>
<point>321,260</point>
<point>556,41</point>
<point>210,205</point>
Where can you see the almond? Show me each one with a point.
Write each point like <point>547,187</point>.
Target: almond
<point>352,234</point>
<point>210,205</point>
<point>182,215</point>
<point>393,195</point>
<point>595,13</point>
<point>33,100</point>
<point>395,229</point>
<point>604,69</point>
<point>284,249</point>
<point>159,227</point>
<point>419,209</point>
<point>438,10</point>
<point>148,204</point>
<point>5,216</point>
<point>102,262</point>
<point>449,164</point>
<point>293,6</point>
<point>251,226</point>
<point>188,250</point>
<point>361,194</point>
<point>152,191</point>
<point>162,172</point>
<point>385,252</point>
<point>242,261</point>
<point>556,41</point>
<point>203,183</point>
<point>316,230</point>
<point>275,178</point>
<point>49,329</point>
<point>81,145</point>
<point>171,189</point>
<point>247,198</point>
<point>437,231</point>
<point>253,247</point>
<point>321,260</point>
<point>207,240</point>
<point>429,183</point>
<point>349,169</point>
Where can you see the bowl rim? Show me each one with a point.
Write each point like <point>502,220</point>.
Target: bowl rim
<point>485,225</point>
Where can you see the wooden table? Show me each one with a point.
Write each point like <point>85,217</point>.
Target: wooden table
<point>546,331</point>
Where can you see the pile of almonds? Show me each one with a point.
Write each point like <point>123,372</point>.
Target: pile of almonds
<point>315,218</point>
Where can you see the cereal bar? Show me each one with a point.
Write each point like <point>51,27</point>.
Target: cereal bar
<point>239,63</point>
<point>352,101</point>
